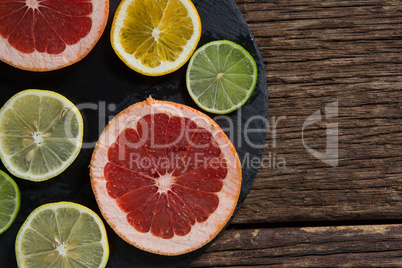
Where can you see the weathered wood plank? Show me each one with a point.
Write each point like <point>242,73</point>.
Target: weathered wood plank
<point>368,246</point>
<point>316,53</point>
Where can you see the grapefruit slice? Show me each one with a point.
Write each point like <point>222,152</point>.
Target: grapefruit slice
<point>44,35</point>
<point>165,176</point>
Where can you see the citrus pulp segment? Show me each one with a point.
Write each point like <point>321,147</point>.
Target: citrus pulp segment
<point>221,76</point>
<point>10,200</point>
<point>62,234</point>
<point>41,134</point>
<point>44,35</point>
<point>165,176</point>
<point>155,37</point>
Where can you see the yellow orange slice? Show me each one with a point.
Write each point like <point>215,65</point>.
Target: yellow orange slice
<point>155,37</point>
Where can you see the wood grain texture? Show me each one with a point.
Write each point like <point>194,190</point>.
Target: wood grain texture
<point>362,246</point>
<point>317,53</point>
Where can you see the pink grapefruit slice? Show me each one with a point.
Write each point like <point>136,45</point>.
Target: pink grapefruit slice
<point>165,176</point>
<point>44,35</point>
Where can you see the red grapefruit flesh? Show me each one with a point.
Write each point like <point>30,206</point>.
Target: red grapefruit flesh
<point>165,176</point>
<point>44,35</point>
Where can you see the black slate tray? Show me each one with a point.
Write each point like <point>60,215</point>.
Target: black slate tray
<point>101,86</point>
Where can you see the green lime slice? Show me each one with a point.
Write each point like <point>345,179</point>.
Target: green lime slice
<point>62,234</point>
<point>40,134</point>
<point>221,76</point>
<point>10,200</point>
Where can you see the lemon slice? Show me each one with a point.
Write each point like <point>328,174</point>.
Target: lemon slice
<point>40,134</point>
<point>155,37</point>
<point>10,200</point>
<point>221,76</point>
<point>62,234</point>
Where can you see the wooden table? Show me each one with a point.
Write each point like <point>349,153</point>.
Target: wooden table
<point>345,56</point>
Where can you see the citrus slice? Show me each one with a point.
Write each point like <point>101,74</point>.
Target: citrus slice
<point>10,200</point>
<point>64,235</point>
<point>40,134</point>
<point>165,176</point>
<point>44,35</point>
<point>221,76</point>
<point>155,37</point>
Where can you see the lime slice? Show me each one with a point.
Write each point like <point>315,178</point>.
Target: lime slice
<point>62,234</point>
<point>221,76</point>
<point>40,134</point>
<point>10,200</point>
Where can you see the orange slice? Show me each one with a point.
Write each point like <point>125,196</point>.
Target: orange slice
<point>155,37</point>
<point>165,176</point>
<point>44,35</point>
